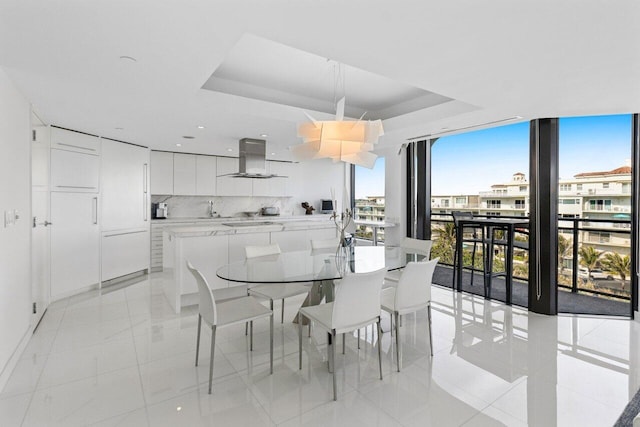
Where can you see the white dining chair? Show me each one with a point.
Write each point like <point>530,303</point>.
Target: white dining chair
<point>413,293</point>
<point>226,313</point>
<point>272,291</point>
<point>356,305</point>
<point>409,244</point>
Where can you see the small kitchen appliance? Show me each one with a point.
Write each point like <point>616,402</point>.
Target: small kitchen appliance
<point>270,211</point>
<point>162,211</point>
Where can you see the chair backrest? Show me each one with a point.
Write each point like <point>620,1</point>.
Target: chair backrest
<point>422,247</point>
<point>414,286</point>
<point>357,299</point>
<point>206,301</point>
<point>264,250</point>
<point>458,215</point>
<point>325,243</point>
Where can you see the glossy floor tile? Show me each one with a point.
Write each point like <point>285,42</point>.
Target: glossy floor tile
<point>122,357</point>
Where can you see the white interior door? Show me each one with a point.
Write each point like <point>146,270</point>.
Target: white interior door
<point>40,237</point>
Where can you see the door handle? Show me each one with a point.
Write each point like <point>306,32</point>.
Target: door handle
<point>95,210</point>
<point>45,223</point>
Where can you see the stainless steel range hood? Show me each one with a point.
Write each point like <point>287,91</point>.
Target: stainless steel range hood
<point>253,163</point>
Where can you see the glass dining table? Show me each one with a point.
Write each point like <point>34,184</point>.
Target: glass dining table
<point>319,267</point>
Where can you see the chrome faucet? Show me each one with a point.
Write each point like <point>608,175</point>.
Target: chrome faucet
<point>212,213</point>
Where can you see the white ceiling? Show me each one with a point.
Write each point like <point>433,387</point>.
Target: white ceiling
<point>495,59</point>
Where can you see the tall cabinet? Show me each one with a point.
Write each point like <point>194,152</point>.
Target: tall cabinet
<point>125,209</point>
<point>75,230</point>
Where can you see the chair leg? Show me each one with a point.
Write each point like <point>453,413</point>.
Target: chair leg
<point>282,315</point>
<point>309,320</point>
<point>299,341</point>
<point>213,346</point>
<point>246,324</point>
<point>379,347</point>
<point>397,340</point>
<point>198,339</point>
<point>333,359</point>
<point>430,336</point>
<point>343,338</point>
<point>271,343</point>
<point>329,345</point>
<point>251,335</point>
<point>358,339</point>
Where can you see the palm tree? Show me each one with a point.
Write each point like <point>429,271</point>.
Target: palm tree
<point>589,257</point>
<point>444,244</point>
<point>565,246</point>
<point>615,263</point>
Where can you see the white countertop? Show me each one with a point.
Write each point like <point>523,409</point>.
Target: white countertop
<point>275,218</point>
<point>217,227</point>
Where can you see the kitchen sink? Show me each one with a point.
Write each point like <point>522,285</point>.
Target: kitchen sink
<point>249,223</point>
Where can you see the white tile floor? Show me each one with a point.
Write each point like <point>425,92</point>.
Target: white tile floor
<point>122,358</point>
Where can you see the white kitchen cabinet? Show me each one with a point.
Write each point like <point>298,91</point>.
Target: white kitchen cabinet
<point>206,175</point>
<point>295,182</point>
<point>279,187</point>
<point>75,243</point>
<point>73,171</point>
<point>184,174</point>
<point>261,186</point>
<point>322,233</point>
<point>74,141</point>
<point>229,186</point>
<point>292,240</point>
<point>161,172</point>
<point>237,243</point>
<point>125,186</point>
<point>124,253</point>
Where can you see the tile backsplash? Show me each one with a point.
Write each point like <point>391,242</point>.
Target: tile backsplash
<point>198,206</point>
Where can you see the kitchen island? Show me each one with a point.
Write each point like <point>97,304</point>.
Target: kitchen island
<point>211,245</point>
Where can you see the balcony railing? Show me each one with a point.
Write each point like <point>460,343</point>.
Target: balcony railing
<point>569,276</point>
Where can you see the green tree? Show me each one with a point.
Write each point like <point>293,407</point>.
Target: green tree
<point>620,265</point>
<point>444,243</point>
<point>565,247</point>
<point>589,257</point>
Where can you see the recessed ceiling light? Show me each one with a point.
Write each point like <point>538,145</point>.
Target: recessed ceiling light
<point>189,137</point>
<point>200,127</point>
<point>273,154</point>
<point>229,149</point>
<point>264,135</point>
<point>128,58</point>
<point>178,145</point>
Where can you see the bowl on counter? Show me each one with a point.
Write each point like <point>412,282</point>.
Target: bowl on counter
<point>252,214</point>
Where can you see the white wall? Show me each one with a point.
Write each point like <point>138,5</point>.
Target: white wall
<point>15,240</point>
<point>316,178</point>
<point>395,194</point>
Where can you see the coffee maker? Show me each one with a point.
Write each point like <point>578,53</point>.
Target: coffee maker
<point>159,211</point>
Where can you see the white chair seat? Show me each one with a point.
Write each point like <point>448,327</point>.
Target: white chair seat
<point>388,303</point>
<point>277,291</point>
<point>240,310</point>
<point>393,276</point>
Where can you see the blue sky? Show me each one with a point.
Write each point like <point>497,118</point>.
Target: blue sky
<point>472,162</point>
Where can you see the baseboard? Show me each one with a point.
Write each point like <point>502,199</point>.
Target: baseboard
<point>15,357</point>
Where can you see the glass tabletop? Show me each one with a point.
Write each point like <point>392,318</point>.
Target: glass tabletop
<point>309,266</point>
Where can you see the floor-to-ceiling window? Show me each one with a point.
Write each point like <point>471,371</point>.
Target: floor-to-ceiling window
<point>594,206</point>
<point>369,201</point>
<point>484,173</point>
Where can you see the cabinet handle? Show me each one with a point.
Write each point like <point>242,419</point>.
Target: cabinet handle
<point>95,210</point>
<point>144,207</point>
<point>76,146</point>
<point>144,178</point>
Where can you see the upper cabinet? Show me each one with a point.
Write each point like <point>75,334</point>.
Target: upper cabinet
<point>74,141</point>
<point>161,172</point>
<point>206,171</point>
<point>124,186</point>
<point>184,174</point>
<point>230,186</point>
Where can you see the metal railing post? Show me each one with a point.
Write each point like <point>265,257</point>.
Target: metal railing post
<point>574,273</point>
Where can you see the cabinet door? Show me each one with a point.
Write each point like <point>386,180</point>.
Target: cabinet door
<point>262,186</point>
<point>74,141</point>
<point>71,171</point>
<point>206,176</point>
<point>161,172</point>
<point>75,242</point>
<point>278,187</point>
<point>294,240</point>
<point>124,253</point>
<point>124,186</point>
<point>184,174</point>
<point>229,186</point>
